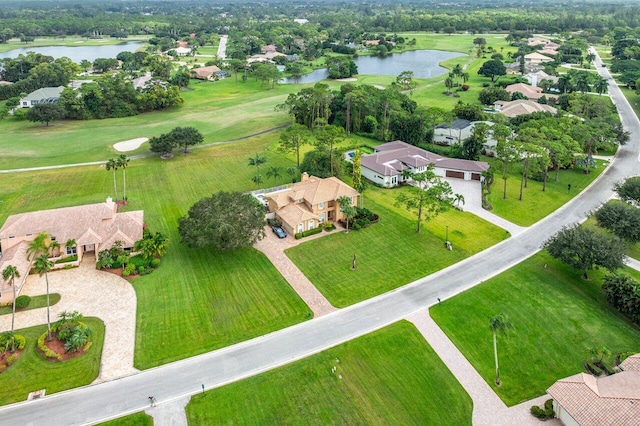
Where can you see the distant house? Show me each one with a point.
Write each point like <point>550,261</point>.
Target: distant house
<point>371,42</point>
<point>521,107</point>
<point>536,58</point>
<point>142,82</point>
<point>46,95</point>
<point>183,51</point>
<point>534,78</point>
<point>548,52</point>
<point>265,57</point>
<point>210,73</point>
<point>385,166</point>
<point>183,43</point>
<point>310,202</point>
<point>531,92</point>
<point>301,21</point>
<point>268,48</point>
<point>613,400</point>
<point>450,133</point>
<point>94,227</point>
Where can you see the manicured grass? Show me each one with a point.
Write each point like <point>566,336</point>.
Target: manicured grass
<point>203,297</point>
<point>137,419</point>
<point>556,316</point>
<point>389,253</point>
<point>391,376</point>
<point>536,204</point>
<point>220,110</point>
<point>36,302</point>
<point>32,372</point>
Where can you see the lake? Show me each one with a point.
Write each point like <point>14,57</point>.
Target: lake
<point>423,63</point>
<point>77,53</point>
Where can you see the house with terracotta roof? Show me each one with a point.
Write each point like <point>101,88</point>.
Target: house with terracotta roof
<point>536,58</point>
<point>268,48</point>
<point>385,166</point>
<point>586,400</point>
<point>210,73</point>
<point>307,204</point>
<point>94,227</point>
<point>531,92</point>
<point>521,107</point>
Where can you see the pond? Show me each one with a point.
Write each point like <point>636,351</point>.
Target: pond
<point>77,53</point>
<point>423,63</point>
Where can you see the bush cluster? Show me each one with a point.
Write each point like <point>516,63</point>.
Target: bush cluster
<point>363,218</point>
<point>623,293</point>
<point>22,301</point>
<point>115,257</point>
<point>546,413</point>
<point>307,233</point>
<point>45,350</point>
<point>72,258</point>
<point>620,218</point>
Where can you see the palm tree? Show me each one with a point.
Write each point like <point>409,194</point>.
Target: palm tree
<point>10,273</point>
<point>69,244</point>
<point>292,171</point>
<point>448,82</point>
<point>257,161</point>
<point>347,209</point>
<point>499,323</point>
<point>274,172</point>
<point>112,164</point>
<point>160,244</point>
<point>37,246</point>
<point>465,77</point>
<point>590,57</point>
<point>53,245</point>
<point>600,85</point>
<point>257,179</point>
<point>458,200</point>
<point>43,265</point>
<point>123,162</point>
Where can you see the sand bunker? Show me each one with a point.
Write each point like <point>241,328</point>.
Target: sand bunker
<point>378,86</point>
<point>347,80</point>
<point>129,145</point>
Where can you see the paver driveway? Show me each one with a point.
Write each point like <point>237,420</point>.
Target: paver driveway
<point>93,293</point>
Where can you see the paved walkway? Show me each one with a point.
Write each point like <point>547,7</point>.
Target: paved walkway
<point>93,293</point>
<point>471,190</point>
<point>170,413</point>
<point>274,247</point>
<point>488,408</point>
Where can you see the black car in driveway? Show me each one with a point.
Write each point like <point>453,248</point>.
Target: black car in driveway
<point>279,231</point>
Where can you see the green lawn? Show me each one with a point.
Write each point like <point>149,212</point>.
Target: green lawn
<point>32,372</point>
<point>137,419</point>
<point>556,316</point>
<point>536,204</point>
<point>36,302</point>
<point>206,298</point>
<point>391,376</point>
<point>390,253</point>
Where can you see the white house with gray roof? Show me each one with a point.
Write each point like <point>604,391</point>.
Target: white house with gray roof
<point>48,95</point>
<point>385,166</point>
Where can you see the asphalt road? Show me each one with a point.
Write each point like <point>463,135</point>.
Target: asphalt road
<point>113,399</point>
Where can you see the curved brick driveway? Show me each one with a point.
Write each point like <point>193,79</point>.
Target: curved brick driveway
<point>93,293</point>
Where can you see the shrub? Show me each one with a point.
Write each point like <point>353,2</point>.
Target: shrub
<point>592,368</point>
<point>68,259</point>
<point>623,293</point>
<point>298,235</point>
<point>155,263</point>
<point>544,413</point>
<point>12,358</point>
<point>22,301</point>
<point>312,232</point>
<point>465,87</point>
<point>329,226</point>
<point>19,341</point>
<point>486,84</point>
<point>45,350</point>
<point>129,269</point>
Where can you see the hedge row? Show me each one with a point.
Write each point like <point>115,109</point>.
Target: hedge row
<point>623,293</point>
<point>307,233</point>
<point>45,350</point>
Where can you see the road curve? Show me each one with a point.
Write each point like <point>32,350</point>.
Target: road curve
<point>95,403</point>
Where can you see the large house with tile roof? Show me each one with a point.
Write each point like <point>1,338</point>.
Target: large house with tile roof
<point>586,400</point>
<point>45,95</point>
<point>522,107</point>
<point>309,203</point>
<point>386,165</point>
<point>94,227</point>
<point>531,92</point>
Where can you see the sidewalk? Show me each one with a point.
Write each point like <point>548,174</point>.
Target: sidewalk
<point>488,408</point>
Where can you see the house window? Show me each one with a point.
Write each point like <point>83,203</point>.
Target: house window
<point>25,103</point>
<point>320,206</point>
<point>300,228</point>
<point>28,235</point>
<point>311,224</point>
<point>71,250</point>
<point>321,215</point>
<point>53,238</point>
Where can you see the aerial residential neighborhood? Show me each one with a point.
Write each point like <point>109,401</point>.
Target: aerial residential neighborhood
<point>292,213</point>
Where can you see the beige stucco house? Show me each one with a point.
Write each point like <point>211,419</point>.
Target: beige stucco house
<point>310,202</point>
<point>94,227</point>
<point>585,400</point>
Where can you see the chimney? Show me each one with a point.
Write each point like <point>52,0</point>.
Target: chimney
<point>304,176</point>
<point>111,204</point>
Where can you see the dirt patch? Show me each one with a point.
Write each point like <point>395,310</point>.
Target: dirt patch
<point>5,357</point>
<point>57,346</point>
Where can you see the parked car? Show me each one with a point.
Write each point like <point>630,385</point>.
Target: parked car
<point>280,233</point>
